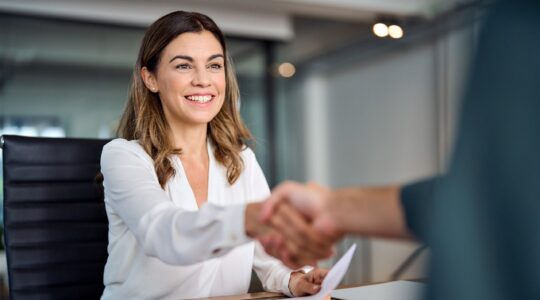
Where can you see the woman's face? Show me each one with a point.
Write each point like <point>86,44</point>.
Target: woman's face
<point>190,79</point>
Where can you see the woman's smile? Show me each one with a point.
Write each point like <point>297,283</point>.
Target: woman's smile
<point>200,98</point>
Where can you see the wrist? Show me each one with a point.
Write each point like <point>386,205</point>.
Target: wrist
<point>295,276</point>
<point>334,218</point>
<point>251,219</point>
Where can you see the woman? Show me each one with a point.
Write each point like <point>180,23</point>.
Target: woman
<point>180,160</point>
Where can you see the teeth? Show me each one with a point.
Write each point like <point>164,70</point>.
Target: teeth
<point>200,99</point>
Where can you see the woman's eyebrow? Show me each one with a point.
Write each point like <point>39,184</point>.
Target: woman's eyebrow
<point>215,56</point>
<point>189,58</point>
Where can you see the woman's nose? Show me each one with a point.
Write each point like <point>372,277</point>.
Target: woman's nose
<point>201,78</point>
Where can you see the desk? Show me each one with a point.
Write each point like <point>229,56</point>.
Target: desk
<point>261,296</point>
<point>268,295</point>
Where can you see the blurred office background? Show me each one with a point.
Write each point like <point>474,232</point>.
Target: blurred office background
<point>326,98</point>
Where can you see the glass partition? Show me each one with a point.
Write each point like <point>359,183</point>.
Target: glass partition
<point>64,78</point>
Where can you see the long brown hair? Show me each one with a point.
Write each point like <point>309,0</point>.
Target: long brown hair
<point>144,120</point>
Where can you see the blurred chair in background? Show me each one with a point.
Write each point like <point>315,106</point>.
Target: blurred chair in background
<point>55,223</point>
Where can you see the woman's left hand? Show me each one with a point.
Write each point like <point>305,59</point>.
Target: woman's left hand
<point>302,284</point>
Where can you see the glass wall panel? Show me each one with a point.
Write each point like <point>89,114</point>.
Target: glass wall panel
<point>63,78</point>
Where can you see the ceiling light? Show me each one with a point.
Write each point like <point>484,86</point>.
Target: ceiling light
<point>395,31</point>
<point>380,29</point>
<point>286,69</point>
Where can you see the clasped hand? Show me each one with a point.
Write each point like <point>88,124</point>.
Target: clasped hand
<point>300,230</point>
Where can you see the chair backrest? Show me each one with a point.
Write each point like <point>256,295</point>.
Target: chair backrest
<point>55,223</point>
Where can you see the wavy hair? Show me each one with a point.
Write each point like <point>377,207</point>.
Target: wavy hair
<point>144,120</point>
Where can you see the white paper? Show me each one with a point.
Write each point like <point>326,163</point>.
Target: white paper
<point>334,276</point>
<point>403,290</point>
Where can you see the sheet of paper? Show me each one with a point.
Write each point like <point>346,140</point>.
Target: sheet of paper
<point>403,290</point>
<point>334,276</point>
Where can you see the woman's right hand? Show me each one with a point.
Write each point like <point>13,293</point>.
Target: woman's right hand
<point>303,284</point>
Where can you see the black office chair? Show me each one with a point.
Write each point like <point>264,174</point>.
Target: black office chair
<point>55,225</point>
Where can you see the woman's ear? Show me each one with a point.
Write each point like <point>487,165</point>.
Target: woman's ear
<point>149,80</point>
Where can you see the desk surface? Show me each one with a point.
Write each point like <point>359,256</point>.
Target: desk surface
<point>262,295</point>
<point>268,295</point>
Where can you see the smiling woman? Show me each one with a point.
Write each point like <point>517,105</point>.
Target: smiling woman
<point>190,80</point>
<point>183,54</point>
<point>180,180</point>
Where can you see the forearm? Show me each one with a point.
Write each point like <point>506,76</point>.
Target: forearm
<point>274,276</point>
<point>179,237</point>
<point>369,211</point>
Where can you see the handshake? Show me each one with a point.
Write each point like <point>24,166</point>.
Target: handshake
<point>299,223</point>
<point>294,224</point>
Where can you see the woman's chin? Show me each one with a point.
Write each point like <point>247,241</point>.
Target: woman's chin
<point>200,119</point>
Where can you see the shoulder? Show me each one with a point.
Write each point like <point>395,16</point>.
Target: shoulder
<point>253,176</point>
<point>124,145</point>
<point>248,156</point>
<point>251,164</point>
<point>119,149</point>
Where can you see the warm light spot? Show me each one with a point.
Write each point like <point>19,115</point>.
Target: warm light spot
<point>395,31</point>
<point>380,29</point>
<point>286,70</point>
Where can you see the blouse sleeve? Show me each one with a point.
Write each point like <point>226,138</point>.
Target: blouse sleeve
<point>273,274</point>
<point>173,235</point>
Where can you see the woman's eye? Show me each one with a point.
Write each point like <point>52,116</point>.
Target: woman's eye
<point>216,67</point>
<point>183,67</point>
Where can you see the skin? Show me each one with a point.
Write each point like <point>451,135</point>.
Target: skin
<point>332,213</point>
<point>193,65</point>
<point>306,284</point>
<point>298,248</point>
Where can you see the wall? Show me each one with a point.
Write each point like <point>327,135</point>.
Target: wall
<point>90,67</point>
<point>81,114</point>
<point>384,116</point>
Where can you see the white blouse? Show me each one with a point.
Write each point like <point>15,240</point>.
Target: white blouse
<point>162,246</point>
